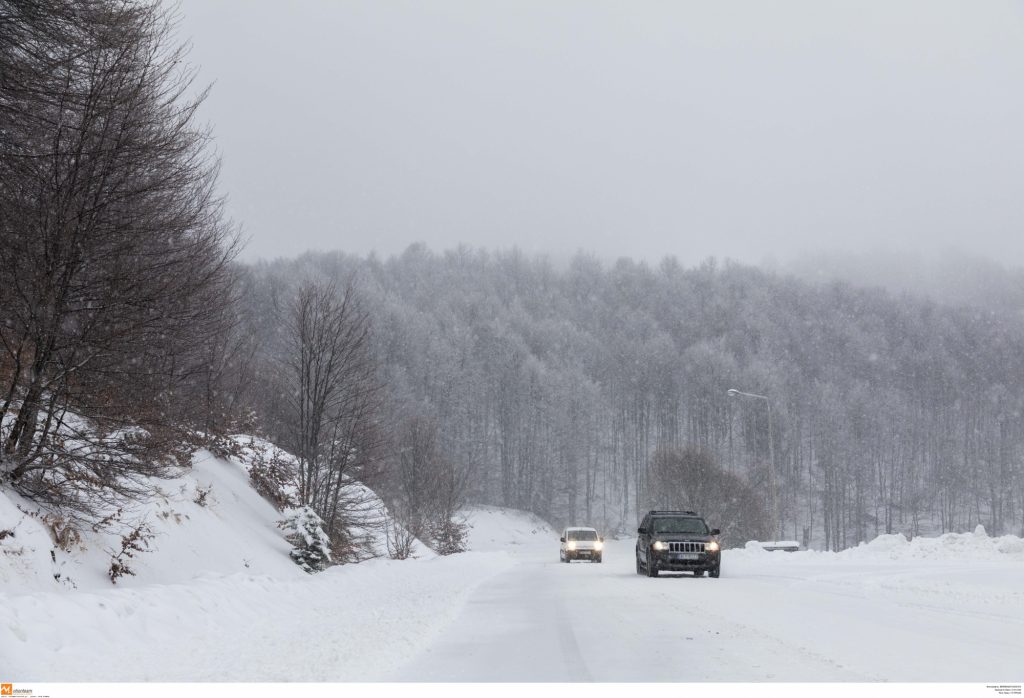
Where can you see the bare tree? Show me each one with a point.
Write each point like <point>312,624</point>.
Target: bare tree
<point>113,248</point>
<point>227,373</point>
<point>418,461</point>
<point>689,478</point>
<point>332,402</point>
<point>429,489</point>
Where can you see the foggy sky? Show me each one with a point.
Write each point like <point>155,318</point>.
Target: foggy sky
<point>753,130</point>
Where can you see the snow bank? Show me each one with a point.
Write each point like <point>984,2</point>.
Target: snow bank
<point>25,545</point>
<point>497,528</point>
<point>949,546</point>
<point>978,546</point>
<point>208,520</point>
<point>367,515</point>
<point>754,547</point>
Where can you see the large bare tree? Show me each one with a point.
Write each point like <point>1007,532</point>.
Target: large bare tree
<point>114,252</point>
<point>332,404</point>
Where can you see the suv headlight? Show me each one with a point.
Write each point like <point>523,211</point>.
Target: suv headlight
<point>660,545</point>
<point>571,545</point>
<point>711,546</point>
<point>598,545</point>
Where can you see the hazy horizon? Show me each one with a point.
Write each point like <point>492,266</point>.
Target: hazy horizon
<point>746,132</point>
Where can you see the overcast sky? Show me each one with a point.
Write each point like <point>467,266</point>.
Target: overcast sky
<point>755,129</point>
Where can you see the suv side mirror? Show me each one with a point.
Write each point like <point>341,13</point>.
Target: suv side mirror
<point>562,539</point>
<point>715,531</point>
<point>601,538</point>
<point>641,530</point>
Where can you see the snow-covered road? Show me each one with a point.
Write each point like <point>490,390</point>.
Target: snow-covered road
<point>936,610</point>
<point>770,617</point>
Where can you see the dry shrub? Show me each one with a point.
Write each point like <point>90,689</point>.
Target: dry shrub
<point>134,542</point>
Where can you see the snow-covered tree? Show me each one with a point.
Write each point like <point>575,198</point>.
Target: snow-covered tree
<point>304,530</point>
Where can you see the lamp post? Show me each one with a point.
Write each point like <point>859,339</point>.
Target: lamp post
<point>732,392</point>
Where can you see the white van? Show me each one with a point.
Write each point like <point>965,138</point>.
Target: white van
<point>581,543</point>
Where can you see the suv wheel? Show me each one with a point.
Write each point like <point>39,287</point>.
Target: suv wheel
<point>652,566</point>
<point>698,573</point>
<point>639,569</point>
<point>714,573</point>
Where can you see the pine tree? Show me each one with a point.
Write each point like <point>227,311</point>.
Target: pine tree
<point>304,530</point>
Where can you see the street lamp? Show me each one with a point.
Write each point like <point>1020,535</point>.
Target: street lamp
<point>732,392</point>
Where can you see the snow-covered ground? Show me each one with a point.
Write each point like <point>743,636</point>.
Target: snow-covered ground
<point>946,610</point>
<point>218,599</point>
<point>355,622</point>
<point>233,530</point>
<point>232,606</point>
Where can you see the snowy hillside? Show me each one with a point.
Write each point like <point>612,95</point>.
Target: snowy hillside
<point>209,520</point>
<point>516,532</point>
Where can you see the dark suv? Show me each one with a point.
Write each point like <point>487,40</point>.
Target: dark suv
<point>678,541</point>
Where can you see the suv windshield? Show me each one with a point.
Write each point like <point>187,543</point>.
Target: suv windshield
<point>668,524</point>
<point>582,535</point>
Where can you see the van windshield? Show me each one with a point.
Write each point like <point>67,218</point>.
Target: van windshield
<point>582,535</point>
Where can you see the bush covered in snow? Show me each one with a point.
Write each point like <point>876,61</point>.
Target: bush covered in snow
<point>304,530</point>
<point>273,472</point>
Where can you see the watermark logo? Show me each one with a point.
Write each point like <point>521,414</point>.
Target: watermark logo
<point>6,689</point>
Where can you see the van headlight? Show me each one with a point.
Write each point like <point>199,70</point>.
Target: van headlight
<point>712,546</point>
<point>660,545</point>
<point>571,545</point>
<point>598,545</point>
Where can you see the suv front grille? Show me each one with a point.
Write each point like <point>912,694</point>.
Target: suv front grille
<point>686,547</point>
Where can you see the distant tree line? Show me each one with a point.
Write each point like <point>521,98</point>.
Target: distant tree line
<point>591,392</point>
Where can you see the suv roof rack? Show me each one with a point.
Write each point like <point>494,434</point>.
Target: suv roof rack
<point>655,512</point>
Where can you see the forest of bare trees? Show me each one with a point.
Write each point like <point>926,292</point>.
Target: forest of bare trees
<point>590,392</point>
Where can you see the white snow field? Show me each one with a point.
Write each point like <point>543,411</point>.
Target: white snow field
<point>938,610</point>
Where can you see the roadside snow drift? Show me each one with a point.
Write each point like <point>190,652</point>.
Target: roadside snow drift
<point>209,520</point>
<point>508,530</point>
